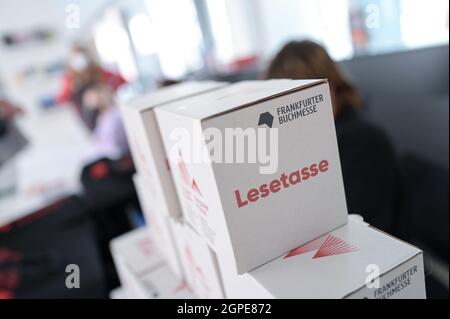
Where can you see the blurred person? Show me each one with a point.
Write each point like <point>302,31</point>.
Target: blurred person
<point>83,72</point>
<point>12,140</point>
<point>8,111</point>
<point>108,135</point>
<point>368,160</point>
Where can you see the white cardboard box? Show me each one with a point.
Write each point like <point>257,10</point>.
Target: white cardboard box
<point>164,285</point>
<point>255,212</point>
<point>145,140</point>
<point>159,226</point>
<point>338,265</point>
<point>159,283</point>
<point>118,293</point>
<point>199,262</point>
<point>142,271</point>
<point>134,254</point>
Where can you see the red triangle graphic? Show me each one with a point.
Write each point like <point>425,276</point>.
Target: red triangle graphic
<point>182,286</point>
<point>183,169</point>
<point>334,246</point>
<point>310,246</point>
<point>196,188</point>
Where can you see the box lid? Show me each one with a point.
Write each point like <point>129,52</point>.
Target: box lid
<point>333,265</point>
<point>172,93</point>
<point>235,96</point>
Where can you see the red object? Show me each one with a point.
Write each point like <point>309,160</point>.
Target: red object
<point>99,171</point>
<point>113,80</point>
<point>243,62</point>
<point>5,228</point>
<point>37,214</point>
<point>6,294</point>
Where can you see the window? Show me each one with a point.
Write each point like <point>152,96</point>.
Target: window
<point>113,45</point>
<point>143,34</point>
<point>347,28</point>
<point>233,30</point>
<point>424,23</point>
<point>177,36</point>
<point>380,26</point>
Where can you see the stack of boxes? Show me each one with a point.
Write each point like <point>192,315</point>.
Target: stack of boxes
<point>153,182</point>
<point>253,205</point>
<point>143,272</point>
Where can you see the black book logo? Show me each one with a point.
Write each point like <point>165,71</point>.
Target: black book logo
<point>265,118</point>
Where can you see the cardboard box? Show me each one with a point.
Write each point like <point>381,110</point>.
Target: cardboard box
<point>118,293</point>
<point>142,271</point>
<point>159,226</point>
<point>199,262</point>
<point>145,140</point>
<point>134,254</point>
<point>256,210</point>
<point>339,265</point>
<point>159,283</point>
<point>164,285</point>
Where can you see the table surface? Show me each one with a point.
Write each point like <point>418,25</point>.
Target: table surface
<point>49,167</point>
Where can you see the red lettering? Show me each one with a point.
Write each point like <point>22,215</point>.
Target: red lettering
<point>240,203</point>
<point>253,195</point>
<point>295,181</point>
<point>264,190</point>
<point>284,181</point>
<point>313,169</point>
<point>323,166</point>
<point>305,173</point>
<point>275,186</point>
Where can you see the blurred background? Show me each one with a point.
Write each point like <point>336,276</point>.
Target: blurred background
<point>64,194</point>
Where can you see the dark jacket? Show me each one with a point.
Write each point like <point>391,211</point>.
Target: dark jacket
<point>2,126</point>
<point>369,169</point>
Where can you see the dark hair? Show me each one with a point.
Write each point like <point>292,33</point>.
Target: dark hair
<point>309,60</point>
<point>93,71</point>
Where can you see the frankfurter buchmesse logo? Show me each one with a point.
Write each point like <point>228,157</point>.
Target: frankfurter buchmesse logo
<point>265,118</point>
